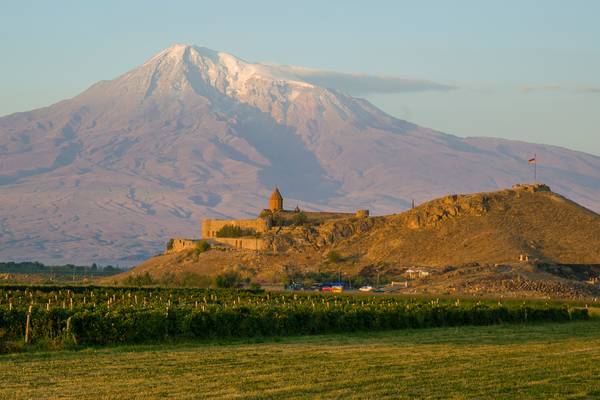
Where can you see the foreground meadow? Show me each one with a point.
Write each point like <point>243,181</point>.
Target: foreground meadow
<point>547,360</point>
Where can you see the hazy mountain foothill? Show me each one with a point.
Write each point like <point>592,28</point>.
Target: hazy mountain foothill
<point>111,174</point>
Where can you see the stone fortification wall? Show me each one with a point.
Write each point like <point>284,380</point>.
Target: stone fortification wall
<point>314,217</point>
<point>246,243</point>
<point>535,187</point>
<point>323,215</point>
<point>211,226</point>
<point>179,244</point>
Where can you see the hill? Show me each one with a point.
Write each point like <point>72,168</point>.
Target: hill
<point>194,133</point>
<point>491,227</point>
<point>458,243</point>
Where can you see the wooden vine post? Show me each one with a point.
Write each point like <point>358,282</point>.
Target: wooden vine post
<point>27,325</point>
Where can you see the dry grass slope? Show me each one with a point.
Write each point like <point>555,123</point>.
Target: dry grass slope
<point>485,227</point>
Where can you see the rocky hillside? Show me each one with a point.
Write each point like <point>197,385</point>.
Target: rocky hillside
<point>111,174</point>
<point>468,243</point>
<point>491,227</point>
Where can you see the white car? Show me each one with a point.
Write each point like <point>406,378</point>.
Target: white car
<point>366,288</point>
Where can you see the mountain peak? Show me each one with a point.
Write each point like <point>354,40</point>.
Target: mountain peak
<point>182,71</point>
<point>225,64</point>
<point>179,50</point>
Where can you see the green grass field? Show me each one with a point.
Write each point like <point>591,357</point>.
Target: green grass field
<point>554,360</point>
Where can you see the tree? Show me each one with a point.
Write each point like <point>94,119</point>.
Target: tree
<point>139,280</point>
<point>228,279</point>
<point>277,220</point>
<point>190,279</point>
<point>300,218</point>
<point>109,268</point>
<point>170,244</point>
<point>202,246</point>
<point>265,214</point>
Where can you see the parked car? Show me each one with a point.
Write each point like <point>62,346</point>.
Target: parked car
<point>294,286</point>
<point>366,288</point>
<point>337,289</point>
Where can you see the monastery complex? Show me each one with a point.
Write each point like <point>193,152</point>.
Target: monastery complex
<point>247,233</point>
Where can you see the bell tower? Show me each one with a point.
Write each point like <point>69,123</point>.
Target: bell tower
<point>276,201</point>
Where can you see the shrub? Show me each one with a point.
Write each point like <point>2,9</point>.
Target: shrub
<point>190,279</point>
<point>231,231</point>
<point>334,257</point>
<point>299,219</point>
<point>202,246</point>
<point>229,279</point>
<point>169,279</point>
<point>265,214</point>
<point>169,245</point>
<point>278,220</point>
<point>139,280</point>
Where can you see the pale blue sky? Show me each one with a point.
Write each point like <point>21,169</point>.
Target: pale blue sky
<point>526,70</point>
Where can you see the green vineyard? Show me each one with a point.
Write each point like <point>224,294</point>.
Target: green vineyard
<point>103,315</point>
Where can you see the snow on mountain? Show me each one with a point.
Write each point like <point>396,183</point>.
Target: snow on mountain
<point>114,172</point>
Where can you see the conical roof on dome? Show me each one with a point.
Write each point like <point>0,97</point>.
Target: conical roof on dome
<point>276,195</point>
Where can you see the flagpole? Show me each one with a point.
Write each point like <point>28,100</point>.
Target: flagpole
<point>535,168</point>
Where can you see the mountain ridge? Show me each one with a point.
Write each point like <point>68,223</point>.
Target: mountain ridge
<point>113,172</point>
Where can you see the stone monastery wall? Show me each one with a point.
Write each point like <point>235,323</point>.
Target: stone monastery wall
<point>181,245</point>
<point>211,226</point>
<point>246,243</point>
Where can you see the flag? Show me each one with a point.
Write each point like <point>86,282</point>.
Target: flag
<point>532,160</point>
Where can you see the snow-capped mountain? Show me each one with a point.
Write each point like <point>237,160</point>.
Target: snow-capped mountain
<point>192,133</point>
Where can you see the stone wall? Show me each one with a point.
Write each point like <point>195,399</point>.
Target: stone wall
<point>246,243</point>
<point>180,244</point>
<point>313,217</point>
<point>535,187</point>
<point>325,215</point>
<point>211,226</point>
